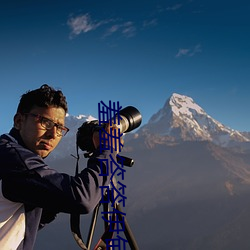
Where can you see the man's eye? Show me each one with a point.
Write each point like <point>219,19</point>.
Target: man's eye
<point>48,123</point>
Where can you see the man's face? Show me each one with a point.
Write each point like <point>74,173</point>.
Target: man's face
<point>35,137</point>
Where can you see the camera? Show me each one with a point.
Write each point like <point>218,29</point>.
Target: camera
<point>126,120</point>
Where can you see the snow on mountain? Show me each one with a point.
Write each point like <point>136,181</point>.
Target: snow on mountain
<point>74,122</point>
<point>182,119</point>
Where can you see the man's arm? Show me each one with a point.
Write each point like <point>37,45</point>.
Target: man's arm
<point>29,180</point>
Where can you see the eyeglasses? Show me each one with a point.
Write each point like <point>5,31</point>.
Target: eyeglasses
<point>49,124</point>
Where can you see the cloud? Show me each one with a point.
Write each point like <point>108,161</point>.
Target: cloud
<point>189,52</point>
<point>174,7</point>
<point>83,24</point>
<point>182,52</point>
<point>127,29</point>
<point>150,23</point>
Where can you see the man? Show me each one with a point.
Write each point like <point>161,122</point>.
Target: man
<point>30,192</point>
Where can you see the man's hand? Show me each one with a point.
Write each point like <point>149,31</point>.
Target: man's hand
<point>112,134</point>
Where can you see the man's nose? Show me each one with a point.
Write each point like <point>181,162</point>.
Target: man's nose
<point>52,132</point>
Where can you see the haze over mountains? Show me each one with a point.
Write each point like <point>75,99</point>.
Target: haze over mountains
<point>189,187</point>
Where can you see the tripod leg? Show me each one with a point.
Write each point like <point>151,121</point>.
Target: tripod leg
<point>128,232</point>
<point>93,223</point>
<point>108,229</point>
<point>106,210</point>
<point>75,229</point>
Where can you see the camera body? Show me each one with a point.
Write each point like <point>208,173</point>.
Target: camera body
<point>85,134</point>
<point>126,120</point>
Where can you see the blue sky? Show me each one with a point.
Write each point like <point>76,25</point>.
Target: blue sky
<point>135,52</point>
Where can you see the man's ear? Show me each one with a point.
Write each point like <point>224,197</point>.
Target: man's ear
<point>18,119</point>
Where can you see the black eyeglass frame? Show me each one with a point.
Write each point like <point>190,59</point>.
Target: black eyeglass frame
<point>60,129</point>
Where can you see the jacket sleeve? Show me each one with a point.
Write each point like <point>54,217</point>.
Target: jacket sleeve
<point>27,179</point>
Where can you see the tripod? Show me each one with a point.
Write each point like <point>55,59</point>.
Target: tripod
<point>108,225</point>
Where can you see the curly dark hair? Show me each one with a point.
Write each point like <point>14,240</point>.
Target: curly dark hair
<point>44,96</point>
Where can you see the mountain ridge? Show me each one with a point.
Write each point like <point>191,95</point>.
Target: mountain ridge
<point>182,119</point>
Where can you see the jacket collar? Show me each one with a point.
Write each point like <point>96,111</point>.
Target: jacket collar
<point>15,134</point>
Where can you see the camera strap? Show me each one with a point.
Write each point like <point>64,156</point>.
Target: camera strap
<point>75,218</point>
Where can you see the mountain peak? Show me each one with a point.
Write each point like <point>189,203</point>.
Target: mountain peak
<point>182,119</point>
<point>182,104</point>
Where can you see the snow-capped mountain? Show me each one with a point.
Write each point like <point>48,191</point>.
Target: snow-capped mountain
<point>182,119</point>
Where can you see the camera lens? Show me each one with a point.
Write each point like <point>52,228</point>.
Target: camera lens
<point>131,119</point>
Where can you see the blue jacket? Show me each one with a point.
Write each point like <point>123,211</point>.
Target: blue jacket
<point>35,193</point>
